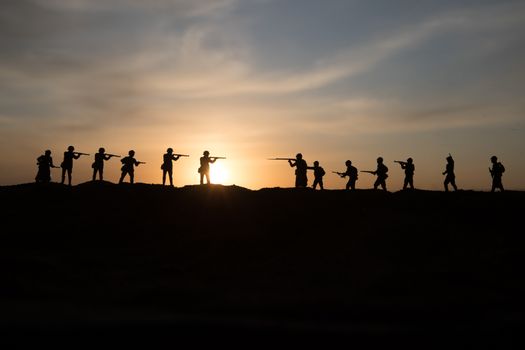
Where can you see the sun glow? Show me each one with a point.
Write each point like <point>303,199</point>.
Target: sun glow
<point>219,173</point>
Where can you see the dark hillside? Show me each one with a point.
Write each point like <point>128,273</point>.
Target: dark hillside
<point>227,261</point>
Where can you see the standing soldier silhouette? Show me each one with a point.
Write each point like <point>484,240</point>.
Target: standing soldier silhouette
<point>128,167</point>
<point>449,171</point>
<point>204,169</point>
<point>98,165</point>
<point>351,172</point>
<point>318,175</point>
<point>409,168</point>
<point>301,180</point>
<point>381,173</point>
<point>67,163</point>
<point>45,163</point>
<point>496,172</point>
<point>167,165</point>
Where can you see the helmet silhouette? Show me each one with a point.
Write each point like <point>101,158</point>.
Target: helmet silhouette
<point>71,148</point>
<point>409,160</point>
<point>206,153</point>
<point>131,153</point>
<point>170,150</point>
<point>493,158</point>
<point>101,150</point>
<point>380,159</point>
<point>348,163</point>
<point>299,156</point>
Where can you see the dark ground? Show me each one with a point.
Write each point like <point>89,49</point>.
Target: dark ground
<point>226,263</point>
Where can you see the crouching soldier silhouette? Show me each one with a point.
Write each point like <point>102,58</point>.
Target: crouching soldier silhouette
<point>318,175</point>
<point>381,173</point>
<point>496,172</point>
<point>67,163</point>
<point>98,165</point>
<point>128,167</point>
<point>45,163</point>
<point>409,168</point>
<point>449,172</point>
<point>301,180</point>
<point>167,165</point>
<point>351,172</point>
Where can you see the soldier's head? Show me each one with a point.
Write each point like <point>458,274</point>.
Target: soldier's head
<point>380,160</point>
<point>493,159</point>
<point>47,152</point>
<point>131,153</point>
<point>101,150</point>
<point>409,160</point>
<point>316,163</point>
<point>206,153</point>
<point>348,162</point>
<point>71,148</point>
<point>299,156</point>
<point>449,158</point>
<point>169,150</point>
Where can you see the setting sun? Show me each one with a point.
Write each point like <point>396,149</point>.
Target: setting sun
<point>219,173</point>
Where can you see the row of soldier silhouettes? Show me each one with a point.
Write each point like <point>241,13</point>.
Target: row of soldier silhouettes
<point>45,163</point>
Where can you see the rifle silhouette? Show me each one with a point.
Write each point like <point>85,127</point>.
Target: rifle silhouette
<point>400,162</point>
<point>368,171</point>
<point>338,173</point>
<point>81,154</point>
<point>217,157</point>
<point>112,155</point>
<point>281,158</point>
<point>181,155</point>
<point>141,163</point>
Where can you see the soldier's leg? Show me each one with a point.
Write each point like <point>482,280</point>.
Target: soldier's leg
<point>69,172</point>
<point>445,184</point>
<point>131,177</point>
<point>405,183</point>
<point>208,178</point>
<point>94,174</point>
<point>170,173</point>
<point>101,174</point>
<point>453,183</point>
<point>122,176</point>
<point>163,177</point>
<point>376,183</point>
<point>411,182</point>
<point>63,175</point>
<point>314,185</point>
<point>352,184</point>
<point>321,185</point>
<point>383,185</point>
<point>202,178</point>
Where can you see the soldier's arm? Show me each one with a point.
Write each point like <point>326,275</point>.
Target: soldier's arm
<point>106,157</point>
<point>175,158</point>
<point>291,163</point>
<point>213,160</point>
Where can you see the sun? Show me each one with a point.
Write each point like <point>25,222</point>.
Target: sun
<point>219,173</point>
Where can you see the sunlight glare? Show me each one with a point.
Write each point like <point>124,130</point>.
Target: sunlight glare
<point>219,173</point>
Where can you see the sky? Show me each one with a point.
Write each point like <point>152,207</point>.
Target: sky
<point>254,79</point>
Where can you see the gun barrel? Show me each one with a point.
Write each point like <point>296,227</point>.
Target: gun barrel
<point>368,171</point>
<point>82,154</point>
<point>182,155</point>
<point>218,157</point>
<point>281,158</point>
<point>112,155</point>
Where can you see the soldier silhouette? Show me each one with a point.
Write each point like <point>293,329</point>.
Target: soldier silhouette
<point>301,180</point>
<point>449,171</point>
<point>318,175</point>
<point>45,163</point>
<point>67,163</point>
<point>128,167</point>
<point>98,165</point>
<point>351,172</point>
<point>167,165</point>
<point>496,172</point>
<point>409,168</point>
<point>381,173</point>
<point>204,169</point>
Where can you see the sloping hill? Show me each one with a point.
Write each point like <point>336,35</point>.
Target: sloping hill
<point>221,260</point>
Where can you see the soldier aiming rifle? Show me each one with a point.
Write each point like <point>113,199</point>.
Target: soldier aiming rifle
<point>167,164</point>
<point>67,163</point>
<point>204,169</point>
<point>409,168</point>
<point>380,172</point>
<point>98,165</point>
<point>351,172</point>
<point>128,167</point>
